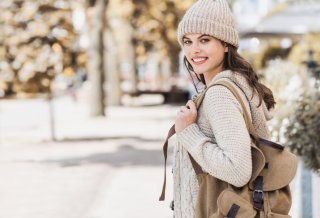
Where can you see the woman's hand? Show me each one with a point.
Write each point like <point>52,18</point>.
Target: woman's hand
<point>186,116</point>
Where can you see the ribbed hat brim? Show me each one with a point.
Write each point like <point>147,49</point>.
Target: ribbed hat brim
<point>225,33</point>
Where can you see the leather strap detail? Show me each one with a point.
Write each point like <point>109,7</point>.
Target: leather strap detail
<point>171,132</point>
<point>271,144</point>
<point>233,211</point>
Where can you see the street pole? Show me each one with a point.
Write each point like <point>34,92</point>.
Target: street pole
<point>306,192</point>
<point>51,117</point>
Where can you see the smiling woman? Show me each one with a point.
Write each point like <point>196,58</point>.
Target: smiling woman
<point>213,137</point>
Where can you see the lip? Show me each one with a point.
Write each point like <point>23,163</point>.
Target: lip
<point>200,62</point>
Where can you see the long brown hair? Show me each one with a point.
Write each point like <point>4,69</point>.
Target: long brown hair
<point>234,62</point>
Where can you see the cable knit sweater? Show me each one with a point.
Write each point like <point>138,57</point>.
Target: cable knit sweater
<point>218,141</point>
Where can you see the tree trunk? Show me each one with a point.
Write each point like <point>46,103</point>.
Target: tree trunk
<point>96,65</point>
<point>175,60</point>
<point>134,66</point>
<point>166,67</point>
<point>113,76</point>
<point>158,74</point>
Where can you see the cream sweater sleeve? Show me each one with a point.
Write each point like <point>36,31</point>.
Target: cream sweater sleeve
<point>229,159</point>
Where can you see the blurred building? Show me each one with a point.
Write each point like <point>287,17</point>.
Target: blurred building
<point>296,19</point>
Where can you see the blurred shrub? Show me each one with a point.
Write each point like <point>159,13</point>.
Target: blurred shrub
<point>284,78</point>
<point>302,132</point>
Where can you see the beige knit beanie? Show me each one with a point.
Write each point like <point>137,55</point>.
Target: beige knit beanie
<point>212,17</point>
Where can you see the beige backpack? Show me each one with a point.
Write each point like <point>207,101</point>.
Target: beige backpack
<point>267,195</point>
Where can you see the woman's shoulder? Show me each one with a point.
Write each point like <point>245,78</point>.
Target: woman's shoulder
<point>218,94</point>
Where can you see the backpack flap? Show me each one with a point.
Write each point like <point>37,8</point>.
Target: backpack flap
<point>279,170</point>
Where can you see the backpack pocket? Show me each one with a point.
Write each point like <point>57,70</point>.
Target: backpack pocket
<point>279,201</point>
<point>227,198</point>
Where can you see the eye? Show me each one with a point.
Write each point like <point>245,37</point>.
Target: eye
<point>204,40</point>
<point>186,42</point>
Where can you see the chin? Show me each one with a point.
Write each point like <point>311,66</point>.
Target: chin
<point>199,71</point>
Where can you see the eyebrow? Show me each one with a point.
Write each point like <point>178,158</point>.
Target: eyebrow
<point>184,37</point>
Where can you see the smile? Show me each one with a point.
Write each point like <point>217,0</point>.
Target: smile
<point>199,60</point>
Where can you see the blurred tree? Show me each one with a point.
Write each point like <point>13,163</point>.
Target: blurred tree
<point>96,22</point>
<point>120,57</point>
<point>137,29</point>
<point>37,41</point>
<point>300,51</point>
<point>154,29</point>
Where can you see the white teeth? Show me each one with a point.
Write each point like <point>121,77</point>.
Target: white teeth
<point>199,59</point>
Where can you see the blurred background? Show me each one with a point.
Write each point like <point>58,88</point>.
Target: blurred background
<point>89,88</point>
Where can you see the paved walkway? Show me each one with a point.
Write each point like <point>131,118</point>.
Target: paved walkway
<point>102,168</point>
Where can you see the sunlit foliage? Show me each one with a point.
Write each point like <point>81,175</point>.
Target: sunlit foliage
<point>37,41</point>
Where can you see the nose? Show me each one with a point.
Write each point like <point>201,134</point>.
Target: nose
<point>196,49</point>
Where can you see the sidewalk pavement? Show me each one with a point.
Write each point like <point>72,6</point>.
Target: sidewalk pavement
<point>100,168</point>
<point>29,121</point>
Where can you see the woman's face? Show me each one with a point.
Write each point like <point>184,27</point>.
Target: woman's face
<point>205,54</point>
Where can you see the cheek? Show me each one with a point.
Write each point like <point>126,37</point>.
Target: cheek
<point>218,53</point>
<point>187,53</point>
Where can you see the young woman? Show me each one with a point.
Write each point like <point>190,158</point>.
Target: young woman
<point>215,134</point>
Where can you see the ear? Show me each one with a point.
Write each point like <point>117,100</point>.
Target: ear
<point>226,48</point>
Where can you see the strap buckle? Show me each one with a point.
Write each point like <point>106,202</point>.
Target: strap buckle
<point>257,198</point>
